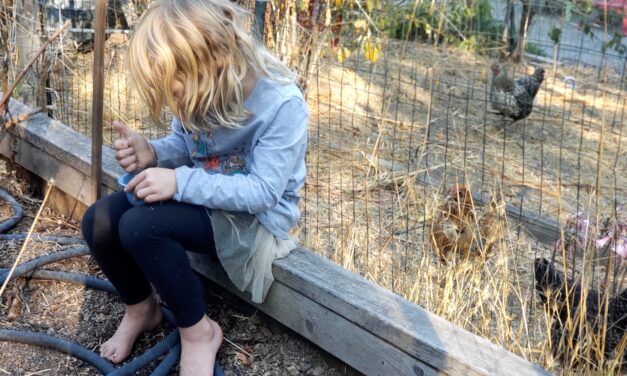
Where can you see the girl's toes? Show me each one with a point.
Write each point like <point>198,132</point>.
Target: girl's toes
<point>113,358</point>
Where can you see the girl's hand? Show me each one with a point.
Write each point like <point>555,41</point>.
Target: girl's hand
<point>132,150</point>
<point>153,184</point>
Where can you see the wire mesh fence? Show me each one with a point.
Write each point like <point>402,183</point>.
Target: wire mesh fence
<point>403,135</point>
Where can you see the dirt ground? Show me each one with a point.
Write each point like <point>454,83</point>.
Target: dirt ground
<point>260,346</point>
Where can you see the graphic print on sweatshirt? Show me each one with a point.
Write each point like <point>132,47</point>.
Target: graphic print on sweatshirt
<point>203,150</point>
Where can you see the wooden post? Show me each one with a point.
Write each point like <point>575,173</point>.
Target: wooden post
<point>97,98</point>
<point>260,11</point>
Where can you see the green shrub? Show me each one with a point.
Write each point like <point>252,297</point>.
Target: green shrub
<point>466,24</point>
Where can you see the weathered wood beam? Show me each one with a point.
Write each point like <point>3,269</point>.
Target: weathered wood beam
<point>51,150</point>
<point>368,327</point>
<point>338,335</point>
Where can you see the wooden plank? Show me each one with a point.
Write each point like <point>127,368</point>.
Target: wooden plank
<point>62,142</point>
<point>67,178</point>
<point>65,204</point>
<point>334,333</point>
<point>543,229</point>
<point>407,326</point>
<point>52,150</point>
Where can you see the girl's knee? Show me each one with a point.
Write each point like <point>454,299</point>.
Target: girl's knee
<point>100,221</point>
<point>134,229</point>
<point>88,223</point>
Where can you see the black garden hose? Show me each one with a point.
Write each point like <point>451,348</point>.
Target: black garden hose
<point>87,280</point>
<point>62,240</point>
<point>168,344</point>
<point>170,360</point>
<point>43,260</point>
<point>18,212</point>
<point>45,340</point>
<point>171,343</point>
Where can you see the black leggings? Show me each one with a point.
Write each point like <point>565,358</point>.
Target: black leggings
<point>136,246</point>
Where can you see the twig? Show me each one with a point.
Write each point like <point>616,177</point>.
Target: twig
<point>237,347</point>
<point>448,21</point>
<point>30,232</point>
<point>37,372</point>
<point>25,116</point>
<point>19,77</point>
<point>374,25</point>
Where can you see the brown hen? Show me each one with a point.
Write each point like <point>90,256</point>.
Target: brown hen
<point>461,230</point>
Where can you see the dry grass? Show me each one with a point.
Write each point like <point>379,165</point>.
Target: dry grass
<point>378,130</point>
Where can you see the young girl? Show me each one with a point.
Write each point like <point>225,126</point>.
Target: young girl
<point>225,181</point>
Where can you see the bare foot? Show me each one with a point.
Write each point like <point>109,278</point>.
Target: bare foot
<point>137,319</point>
<point>200,343</point>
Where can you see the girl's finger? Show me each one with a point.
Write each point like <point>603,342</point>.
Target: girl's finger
<point>131,167</point>
<point>120,143</point>
<point>130,187</point>
<point>155,197</point>
<point>125,162</point>
<point>123,153</point>
<point>142,185</point>
<point>144,192</point>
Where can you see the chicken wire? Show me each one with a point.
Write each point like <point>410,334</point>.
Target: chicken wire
<point>399,118</point>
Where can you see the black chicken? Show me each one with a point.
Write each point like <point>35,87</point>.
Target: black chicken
<point>514,98</point>
<point>550,281</point>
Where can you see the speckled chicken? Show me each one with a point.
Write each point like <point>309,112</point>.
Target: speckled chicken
<point>461,229</point>
<point>514,98</point>
<point>551,283</point>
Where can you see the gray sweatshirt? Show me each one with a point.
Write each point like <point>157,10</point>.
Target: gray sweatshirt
<point>258,168</point>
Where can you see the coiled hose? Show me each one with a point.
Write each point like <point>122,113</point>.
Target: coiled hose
<point>170,344</point>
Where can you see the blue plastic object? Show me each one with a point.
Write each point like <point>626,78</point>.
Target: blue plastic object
<point>217,370</point>
<point>122,182</point>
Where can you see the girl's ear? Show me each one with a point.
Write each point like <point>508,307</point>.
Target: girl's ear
<point>177,90</point>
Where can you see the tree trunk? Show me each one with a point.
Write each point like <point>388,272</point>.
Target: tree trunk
<point>526,17</point>
<point>508,38</point>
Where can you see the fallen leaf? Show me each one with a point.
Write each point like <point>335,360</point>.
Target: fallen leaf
<point>15,309</point>
<point>245,359</point>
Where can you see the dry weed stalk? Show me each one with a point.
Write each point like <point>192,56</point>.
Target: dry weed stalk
<point>9,91</point>
<point>30,232</point>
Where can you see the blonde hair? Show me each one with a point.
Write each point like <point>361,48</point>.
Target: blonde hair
<point>203,44</point>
